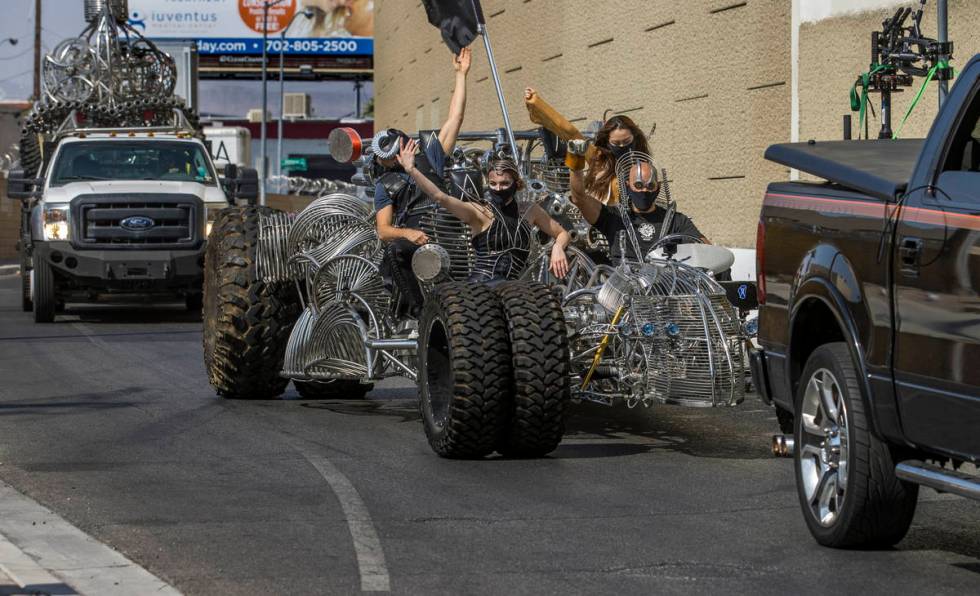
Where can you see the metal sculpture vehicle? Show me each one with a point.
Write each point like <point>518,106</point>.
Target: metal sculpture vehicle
<point>302,297</point>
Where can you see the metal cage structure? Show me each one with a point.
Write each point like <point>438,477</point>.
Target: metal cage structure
<point>640,333</point>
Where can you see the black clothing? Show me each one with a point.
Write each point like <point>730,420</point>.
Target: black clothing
<point>503,248</point>
<point>646,225</point>
<point>397,189</point>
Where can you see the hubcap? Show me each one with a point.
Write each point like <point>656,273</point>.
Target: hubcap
<point>823,447</point>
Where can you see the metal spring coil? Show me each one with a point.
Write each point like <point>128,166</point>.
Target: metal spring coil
<point>353,279</point>
<point>449,232</point>
<point>336,347</point>
<point>272,257</point>
<point>554,174</point>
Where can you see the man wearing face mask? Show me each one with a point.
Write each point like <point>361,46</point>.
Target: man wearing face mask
<point>399,202</point>
<point>645,218</point>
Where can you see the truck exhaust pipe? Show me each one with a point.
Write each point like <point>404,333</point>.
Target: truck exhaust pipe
<point>783,446</point>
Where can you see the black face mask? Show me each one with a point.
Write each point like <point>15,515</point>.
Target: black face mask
<point>618,151</point>
<point>642,199</point>
<point>503,196</point>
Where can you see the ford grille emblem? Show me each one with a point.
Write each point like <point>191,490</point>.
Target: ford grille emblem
<point>137,223</point>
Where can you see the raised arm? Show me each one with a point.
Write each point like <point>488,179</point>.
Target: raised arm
<point>586,203</point>
<point>468,213</point>
<point>457,107</point>
<point>541,113</point>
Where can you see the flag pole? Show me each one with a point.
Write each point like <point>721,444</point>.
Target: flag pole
<point>482,30</point>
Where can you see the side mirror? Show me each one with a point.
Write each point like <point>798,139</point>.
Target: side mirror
<point>241,183</point>
<point>229,182</point>
<point>20,187</point>
<point>247,185</point>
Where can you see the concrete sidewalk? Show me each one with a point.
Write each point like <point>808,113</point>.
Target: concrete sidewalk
<point>41,553</point>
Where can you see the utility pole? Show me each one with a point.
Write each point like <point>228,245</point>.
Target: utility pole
<point>36,96</point>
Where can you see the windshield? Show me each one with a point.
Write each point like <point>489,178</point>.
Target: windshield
<point>132,160</point>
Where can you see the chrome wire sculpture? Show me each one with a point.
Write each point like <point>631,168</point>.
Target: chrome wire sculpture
<point>652,331</point>
<point>660,330</point>
<point>109,63</point>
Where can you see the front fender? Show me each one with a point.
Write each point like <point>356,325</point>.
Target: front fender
<point>824,291</point>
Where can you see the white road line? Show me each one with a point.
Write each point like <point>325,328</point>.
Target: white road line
<point>30,532</point>
<point>367,545</point>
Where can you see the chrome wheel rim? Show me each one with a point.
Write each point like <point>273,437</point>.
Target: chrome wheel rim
<point>823,447</point>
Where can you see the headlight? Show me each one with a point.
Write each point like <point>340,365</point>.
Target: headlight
<point>210,216</point>
<point>56,221</point>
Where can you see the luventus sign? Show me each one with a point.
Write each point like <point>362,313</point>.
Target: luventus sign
<point>235,27</point>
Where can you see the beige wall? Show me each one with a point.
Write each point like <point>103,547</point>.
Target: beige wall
<point>715,82</point>
<point>835,51</point>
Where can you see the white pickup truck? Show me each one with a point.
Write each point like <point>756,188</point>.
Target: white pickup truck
<point>122,211</point>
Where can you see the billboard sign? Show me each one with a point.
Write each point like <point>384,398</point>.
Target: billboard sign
<point>234,27</point>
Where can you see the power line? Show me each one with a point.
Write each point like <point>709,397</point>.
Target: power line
<point>17,55</point>
<point>28,71</point>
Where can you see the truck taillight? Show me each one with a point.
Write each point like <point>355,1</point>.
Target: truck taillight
<point>760,261</point>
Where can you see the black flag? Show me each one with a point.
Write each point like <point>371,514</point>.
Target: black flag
<point>457,19</point>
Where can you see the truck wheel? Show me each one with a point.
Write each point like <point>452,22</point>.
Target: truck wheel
<point>26,304</point>
<point>338,389</point>
<point>246,321</point>
<point>540,361</point>
<point>464,370</point>
<point>45,300</point>
<point>845,476</point>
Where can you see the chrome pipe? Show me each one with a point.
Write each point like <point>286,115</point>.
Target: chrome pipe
<point>392,344</point>
<point>934,477</point>
<point>783,446</point>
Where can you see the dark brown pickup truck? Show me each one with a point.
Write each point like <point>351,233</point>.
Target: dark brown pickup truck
<point>869,323</point>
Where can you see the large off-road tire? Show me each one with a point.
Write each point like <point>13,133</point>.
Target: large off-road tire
<point>540,361</point>
<point>338,389</point>
<point>861,503</point>
<point>45,292</point>
<point>464,370</point>
<point>246,321</point>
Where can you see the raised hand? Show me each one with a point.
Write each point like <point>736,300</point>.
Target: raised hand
<point>461,63</point>
<point>406,157</point>
<point>529,93</point>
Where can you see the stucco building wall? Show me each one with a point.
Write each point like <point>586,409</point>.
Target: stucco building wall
<point>714,76</point>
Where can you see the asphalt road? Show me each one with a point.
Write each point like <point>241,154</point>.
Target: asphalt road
<point>106,417</point>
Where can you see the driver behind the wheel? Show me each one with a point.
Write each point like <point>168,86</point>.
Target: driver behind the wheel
<point>646,218</point>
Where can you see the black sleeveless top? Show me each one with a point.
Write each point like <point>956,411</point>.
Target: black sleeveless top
<point>503,248</point>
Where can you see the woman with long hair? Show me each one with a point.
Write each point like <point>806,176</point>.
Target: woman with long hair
<point>617,136</point>
<point>501,228</point>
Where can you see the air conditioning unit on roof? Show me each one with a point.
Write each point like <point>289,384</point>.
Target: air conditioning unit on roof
<point>255,115</point>
<point>296,105</point>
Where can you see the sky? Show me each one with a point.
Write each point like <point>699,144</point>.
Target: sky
<point>64,18</point>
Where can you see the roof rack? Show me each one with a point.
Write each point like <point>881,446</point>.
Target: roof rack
<point>70,127</point>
